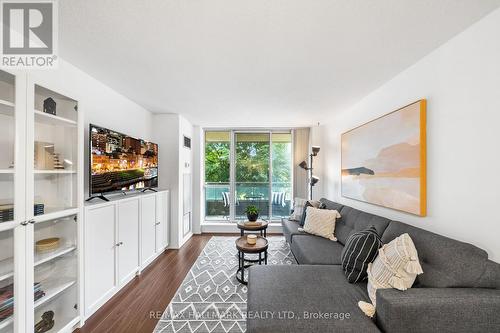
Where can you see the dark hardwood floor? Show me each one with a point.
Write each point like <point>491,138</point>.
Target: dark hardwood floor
<point>134,308</point>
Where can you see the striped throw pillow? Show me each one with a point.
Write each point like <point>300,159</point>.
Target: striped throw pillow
<point>226,199</point>
<point>360,249</point>
<point>279,198</point>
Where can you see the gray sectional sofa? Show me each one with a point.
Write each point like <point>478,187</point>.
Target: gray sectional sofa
<point>459,290</point>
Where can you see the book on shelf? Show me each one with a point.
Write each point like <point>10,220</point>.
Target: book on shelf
<point>7,299</point>
<point>7,211</point>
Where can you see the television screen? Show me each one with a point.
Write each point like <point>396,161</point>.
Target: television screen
<point>119,162</point>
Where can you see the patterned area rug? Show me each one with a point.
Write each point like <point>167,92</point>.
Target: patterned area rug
<point>210,298</point>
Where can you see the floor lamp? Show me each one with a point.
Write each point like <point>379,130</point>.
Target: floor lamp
<point>312,180</point>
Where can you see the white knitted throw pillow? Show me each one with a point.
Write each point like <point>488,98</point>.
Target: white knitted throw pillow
<point>321,222</point>
<point>396,266</point>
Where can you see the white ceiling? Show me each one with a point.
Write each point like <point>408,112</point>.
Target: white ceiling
<point>255,62</point>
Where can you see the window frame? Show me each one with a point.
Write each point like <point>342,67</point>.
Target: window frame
<point>232,169</point>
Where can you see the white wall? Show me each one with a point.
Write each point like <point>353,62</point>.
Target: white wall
<point>198,186</point>
<point>185,167</point>
<point>101,105</point>
<point>461,81</point>
<point>174,161</point>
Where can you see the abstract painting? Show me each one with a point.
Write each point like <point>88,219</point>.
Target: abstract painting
<point>384,160</point>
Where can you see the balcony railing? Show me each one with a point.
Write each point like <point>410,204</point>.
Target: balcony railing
<point>247,193</point>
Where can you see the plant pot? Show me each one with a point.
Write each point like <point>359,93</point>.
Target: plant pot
<point>252,217</point>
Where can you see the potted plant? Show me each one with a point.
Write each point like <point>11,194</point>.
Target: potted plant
<point>252,213</point>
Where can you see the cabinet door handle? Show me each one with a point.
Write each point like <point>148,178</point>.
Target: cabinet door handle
<point>119,244</point>
<point>157,223</point>
<point>24,223</point>
<point>31,221</point>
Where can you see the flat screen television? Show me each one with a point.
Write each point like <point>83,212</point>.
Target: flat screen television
<point>119,162</point>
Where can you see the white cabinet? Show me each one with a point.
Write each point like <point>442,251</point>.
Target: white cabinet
<point>122,237</point>
<point>148,229</point>
<point>161,221</point>
<point>127,243</point>
<point>100,255</point>
<point>111,249</point>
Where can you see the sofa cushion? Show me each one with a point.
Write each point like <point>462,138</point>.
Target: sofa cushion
<point>273,290</point>
<point>290,228</point>
<point>327,204</point>
<point>354,220</point>
<point>314,250</point>
<point>422,310</point>
<point>446,262</point>
<point>491,275</point>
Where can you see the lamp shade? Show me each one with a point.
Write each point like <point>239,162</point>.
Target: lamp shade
<point>315,150</point>
<point>314,180</point>
<point>303,165</point>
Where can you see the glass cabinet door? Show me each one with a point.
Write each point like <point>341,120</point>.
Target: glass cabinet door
<point>7,281</point>
<point>12,196</point>
<point>7,146</point>
<point>55,148</point>
<point>55,273</point>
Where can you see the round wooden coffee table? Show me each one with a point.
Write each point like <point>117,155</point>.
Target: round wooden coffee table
<point>262,227</point>
<point>243,248</point>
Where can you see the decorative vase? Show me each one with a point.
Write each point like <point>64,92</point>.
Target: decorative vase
<point>252,217</point>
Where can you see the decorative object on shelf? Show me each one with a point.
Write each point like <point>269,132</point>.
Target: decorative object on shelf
<point>46,323</point>
<point>57,162</point>
<point>44,152</point>
<point>313,180</point>
<point>251,239</point>
<point>49,106</point>
<point>388,167</point>
<point>39,209</point>
<point>187,142</point>
<point>47,244</point>
<point>252,213</point>
<point>6,212</point>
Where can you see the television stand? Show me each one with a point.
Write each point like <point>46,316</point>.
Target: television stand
<point>148,189</point>
<point>102,197</point>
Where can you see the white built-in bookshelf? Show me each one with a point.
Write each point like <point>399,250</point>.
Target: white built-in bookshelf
<point>41,188</point>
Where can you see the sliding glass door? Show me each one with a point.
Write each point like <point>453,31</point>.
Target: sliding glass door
<point>245,168</point>
<point>252,151</point>
<point>281,186</point>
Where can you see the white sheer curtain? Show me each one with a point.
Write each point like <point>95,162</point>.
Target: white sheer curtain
<point>300,153</point>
